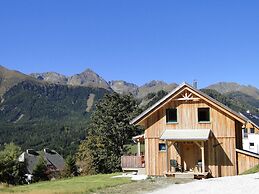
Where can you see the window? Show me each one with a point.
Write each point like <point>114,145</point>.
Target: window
<point>171,115</point>
<point>203,114</point>
<point>162,147</point>
<point>245,132</point>
<point>251,145</point>
<point>252,130</point>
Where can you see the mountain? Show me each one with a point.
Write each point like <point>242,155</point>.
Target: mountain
<point>235,103</point>
<point>232,87</point>
<point>87,78</point>
<point>153,87</point>
<point>123,87</point>
<point>9,78</point>
<point>146,94</point>
<point>51,77</point>
<point>241,93</point>
<point>35,113</point>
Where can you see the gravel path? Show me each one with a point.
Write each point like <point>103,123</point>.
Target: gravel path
<point>224,185</point>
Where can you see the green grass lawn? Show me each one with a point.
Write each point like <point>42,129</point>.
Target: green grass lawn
<point>86,184</point>
<point>252,170</point>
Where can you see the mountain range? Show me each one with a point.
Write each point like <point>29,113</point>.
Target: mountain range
<point>52,110</point>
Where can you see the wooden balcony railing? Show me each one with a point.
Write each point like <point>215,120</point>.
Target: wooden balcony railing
<point>132,162</point>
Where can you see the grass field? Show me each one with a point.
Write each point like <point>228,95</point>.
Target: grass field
<point>252,170</point>
<point>87,184</point>
<point>98,184</point>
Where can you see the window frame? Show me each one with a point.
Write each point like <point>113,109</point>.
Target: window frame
<point>166,115</point>
<point>252,129</point>
<point>198,114</point>
<point>251,146</point>
<point>162,150</point>
<point>245,132</point>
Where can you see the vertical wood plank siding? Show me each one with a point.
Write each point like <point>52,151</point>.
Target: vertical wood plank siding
<point>246,161</point>
<point>131,162</point>
<point>220,149</point>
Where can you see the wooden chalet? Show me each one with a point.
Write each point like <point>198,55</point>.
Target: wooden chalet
<point>189,132</point>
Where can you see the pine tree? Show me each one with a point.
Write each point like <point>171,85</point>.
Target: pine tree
<point>109,131</point>
<point>40,170</point>
<point>70,167</point>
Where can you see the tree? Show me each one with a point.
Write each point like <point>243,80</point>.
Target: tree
<point>70,167</point>
<point>84,159</point>
<point>11,170</point>
<point>40,170</point>
<point>109,130</point>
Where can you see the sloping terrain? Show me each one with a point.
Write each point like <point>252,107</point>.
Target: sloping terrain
<point>9,78</point>
<point>46,115</point>
<point>248,94</point>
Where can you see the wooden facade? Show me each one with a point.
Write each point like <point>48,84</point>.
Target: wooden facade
<point>220,148</point>
<point>246,160</point>
<point>132,162</point>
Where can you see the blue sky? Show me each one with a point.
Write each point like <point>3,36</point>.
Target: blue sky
<point>134,40</point>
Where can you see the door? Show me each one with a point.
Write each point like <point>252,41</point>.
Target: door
<point>189,157</point>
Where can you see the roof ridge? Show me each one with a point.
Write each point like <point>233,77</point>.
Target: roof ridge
<point>133,121</point>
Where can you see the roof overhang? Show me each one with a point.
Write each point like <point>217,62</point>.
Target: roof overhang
<point>186,134</point>
<point>139,138</point>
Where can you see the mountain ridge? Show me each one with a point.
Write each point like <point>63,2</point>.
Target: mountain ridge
<point>89,78</point>
<point>55,114</point>
<point>229,87</point>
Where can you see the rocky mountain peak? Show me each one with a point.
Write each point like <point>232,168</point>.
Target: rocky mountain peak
<point>51,77</point>
<point>155,86</point>
<point>88,78</point>
<point>154,83</point>
<point>123,87</point>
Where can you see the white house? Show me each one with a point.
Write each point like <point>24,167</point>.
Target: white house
<point>251,133</point>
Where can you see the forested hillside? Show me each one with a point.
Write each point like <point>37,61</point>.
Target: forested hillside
<point>43,115</point>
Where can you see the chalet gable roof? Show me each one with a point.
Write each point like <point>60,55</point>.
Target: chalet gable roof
<point>204,96</point>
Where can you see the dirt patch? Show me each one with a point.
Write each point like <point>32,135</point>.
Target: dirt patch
<point>90,102</point>
<point>137,187</point>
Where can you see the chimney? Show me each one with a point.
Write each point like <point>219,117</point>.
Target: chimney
<point>195,84</point>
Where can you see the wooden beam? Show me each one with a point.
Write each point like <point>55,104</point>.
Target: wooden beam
<point>197,143</point>
<point>168,145</point>
<point>185,99</point>
<point>203,157</point>
<point>138,147</point>
<point>172,142</point>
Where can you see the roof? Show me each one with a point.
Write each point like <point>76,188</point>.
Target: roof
<point>31,158</point>
<point>254,119</point>
<point>54,158</point>
<point>168,96</point>
<point>186,134</point>
<point>139,137</point>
